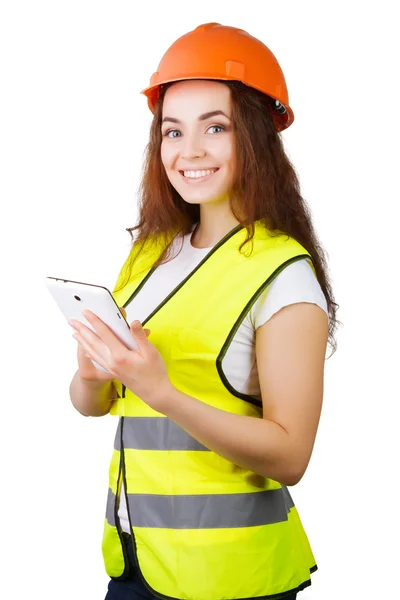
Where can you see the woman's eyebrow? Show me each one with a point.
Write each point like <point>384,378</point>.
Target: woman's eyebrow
<point>202,117</point>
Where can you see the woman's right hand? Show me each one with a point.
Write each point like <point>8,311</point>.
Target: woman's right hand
<point>87,371</point>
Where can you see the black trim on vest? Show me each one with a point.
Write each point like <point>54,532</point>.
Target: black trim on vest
<point>121,470</point>
<point>247,397</point>
<point>182,283</point>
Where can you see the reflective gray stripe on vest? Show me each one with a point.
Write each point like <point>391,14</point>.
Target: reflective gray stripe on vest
<point>205,511</point>
<point>117,439</point>
<point>110,508</point>
<point>155,433</point>
<point>287,498</point>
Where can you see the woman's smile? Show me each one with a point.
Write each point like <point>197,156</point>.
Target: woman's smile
<point>197,176</point>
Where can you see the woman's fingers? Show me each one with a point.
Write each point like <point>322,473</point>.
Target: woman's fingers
<point>87,348</point>
<point>121,308</point>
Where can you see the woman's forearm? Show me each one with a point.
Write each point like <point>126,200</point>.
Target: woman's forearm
<point>261,446</point>
<point>91,399</point>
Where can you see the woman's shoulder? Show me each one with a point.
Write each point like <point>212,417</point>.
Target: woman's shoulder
<point>296,283</point>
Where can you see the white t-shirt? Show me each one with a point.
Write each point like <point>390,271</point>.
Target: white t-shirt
<point>296,283</point>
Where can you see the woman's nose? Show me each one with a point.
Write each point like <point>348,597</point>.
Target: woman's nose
<point>192,147</point>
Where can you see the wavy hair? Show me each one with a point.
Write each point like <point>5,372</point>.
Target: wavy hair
<point>266,187</point>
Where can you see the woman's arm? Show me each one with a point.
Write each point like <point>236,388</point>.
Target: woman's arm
<point>92,399</point>
<point>290,352</point>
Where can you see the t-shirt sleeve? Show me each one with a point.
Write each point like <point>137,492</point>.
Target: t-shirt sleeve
<point>296,283</point>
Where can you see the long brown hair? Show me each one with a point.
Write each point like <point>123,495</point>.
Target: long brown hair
<point>266,187</point>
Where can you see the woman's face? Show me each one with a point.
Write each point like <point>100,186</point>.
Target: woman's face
<point>197,148</point>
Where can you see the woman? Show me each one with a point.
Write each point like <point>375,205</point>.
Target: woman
<point>219,409</point>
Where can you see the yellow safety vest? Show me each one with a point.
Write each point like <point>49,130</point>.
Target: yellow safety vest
<point>203,528</point>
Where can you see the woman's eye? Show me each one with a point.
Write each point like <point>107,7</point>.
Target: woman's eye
<point>216,127</point>
<point>172,131</point>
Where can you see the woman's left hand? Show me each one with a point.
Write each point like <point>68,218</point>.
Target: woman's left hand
<point>143,371</point>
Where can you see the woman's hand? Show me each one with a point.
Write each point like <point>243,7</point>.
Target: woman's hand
<point>143,371</point>
<point>87,371</point>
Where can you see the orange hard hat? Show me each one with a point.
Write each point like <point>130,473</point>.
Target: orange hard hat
<point>214,51</point>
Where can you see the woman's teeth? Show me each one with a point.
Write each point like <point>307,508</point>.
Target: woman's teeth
<point>197,174</point>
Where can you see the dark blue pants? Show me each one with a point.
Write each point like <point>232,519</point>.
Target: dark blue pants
<point>134,589</point>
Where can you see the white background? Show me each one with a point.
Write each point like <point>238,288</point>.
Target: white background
<point>72,134</point>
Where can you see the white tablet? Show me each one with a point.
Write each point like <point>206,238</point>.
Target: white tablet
<point>73,297</point>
